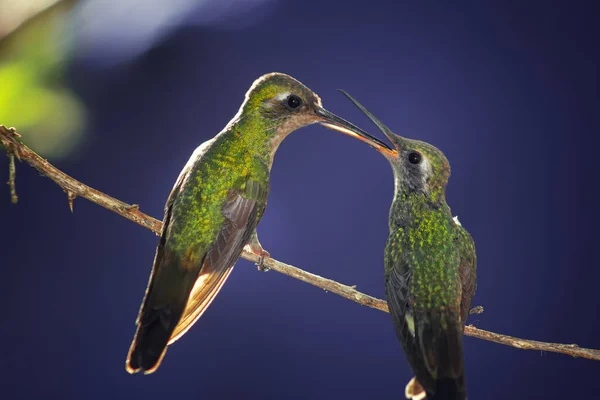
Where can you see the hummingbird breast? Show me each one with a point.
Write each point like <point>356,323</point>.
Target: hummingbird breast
<point>424,245</point>
<point>225,165</point>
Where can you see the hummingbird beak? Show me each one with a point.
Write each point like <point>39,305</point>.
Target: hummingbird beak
<point>334,122</point>
<point>387,132</point>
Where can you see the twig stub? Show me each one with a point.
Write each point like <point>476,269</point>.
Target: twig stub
<point>476,310</point>
<point>71,198</point>
<point>11,178</point>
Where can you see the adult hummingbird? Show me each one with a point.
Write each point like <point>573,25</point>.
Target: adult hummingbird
<point>213,209</point>
<point>430,268</point>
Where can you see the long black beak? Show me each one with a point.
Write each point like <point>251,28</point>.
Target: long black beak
<point>332,121</point>
<point>388,133</point>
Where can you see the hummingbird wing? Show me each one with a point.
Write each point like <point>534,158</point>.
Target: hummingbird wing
<point>397,282</point>
<point>468,272</point>
<point>183,286</point>
<point>242,212</point>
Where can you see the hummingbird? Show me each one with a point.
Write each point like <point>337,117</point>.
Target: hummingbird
<point>213,210</point>
<point>430,268</point>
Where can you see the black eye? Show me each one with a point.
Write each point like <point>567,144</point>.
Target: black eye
<point>414,157</point>
<point>293,101</point>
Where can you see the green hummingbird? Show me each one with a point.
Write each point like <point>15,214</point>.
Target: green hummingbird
<point>430,268</point>
<point>214,208</point>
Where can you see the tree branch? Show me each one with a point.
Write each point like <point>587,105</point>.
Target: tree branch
<point>74,188</point>
<point>11,178</point>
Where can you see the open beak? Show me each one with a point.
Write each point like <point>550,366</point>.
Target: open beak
<point>388,133</point>
<point>332,121</point>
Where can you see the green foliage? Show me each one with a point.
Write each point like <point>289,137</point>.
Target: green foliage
<point>33,97</point>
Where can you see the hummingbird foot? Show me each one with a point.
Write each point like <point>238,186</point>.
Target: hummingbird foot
<point>261,261</point>
<point>414,390</point>
<point>255,247</point>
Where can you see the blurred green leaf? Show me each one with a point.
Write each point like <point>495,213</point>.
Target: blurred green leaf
<point>33,97</point>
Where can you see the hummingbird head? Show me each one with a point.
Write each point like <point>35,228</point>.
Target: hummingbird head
<point>418,166</point>
<point>286,105</point>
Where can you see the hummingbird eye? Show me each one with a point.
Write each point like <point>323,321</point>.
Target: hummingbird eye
<point>293,101</point>
<point>414,157</point>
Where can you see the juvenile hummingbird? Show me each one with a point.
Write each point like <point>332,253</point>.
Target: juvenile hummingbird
<point>430,268</point>
<point>213,209</point>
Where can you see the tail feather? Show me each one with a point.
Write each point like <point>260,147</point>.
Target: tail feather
<point>152,337</point>
<point>440,341</point>
<point>162,308</point>
<point>448,389</point>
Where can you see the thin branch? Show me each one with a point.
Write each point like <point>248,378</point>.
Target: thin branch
<point>11,178</point>
<point>11,164</point>
<point>74,188</point>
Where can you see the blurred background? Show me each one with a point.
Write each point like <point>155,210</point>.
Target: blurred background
<point>118,93</point>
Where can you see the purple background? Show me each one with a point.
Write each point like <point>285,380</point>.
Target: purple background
<point>510,94</point>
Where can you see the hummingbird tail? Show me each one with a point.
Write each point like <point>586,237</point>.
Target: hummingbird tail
<point>441,346</point>
<point>150,343</point>
<point>448,389</point>
<point>160,312</point>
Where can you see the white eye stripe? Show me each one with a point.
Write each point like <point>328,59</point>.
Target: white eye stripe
<point>426,170</point>
<point>282,96</point>
<point>278,99</point>
<point>425,166</point>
